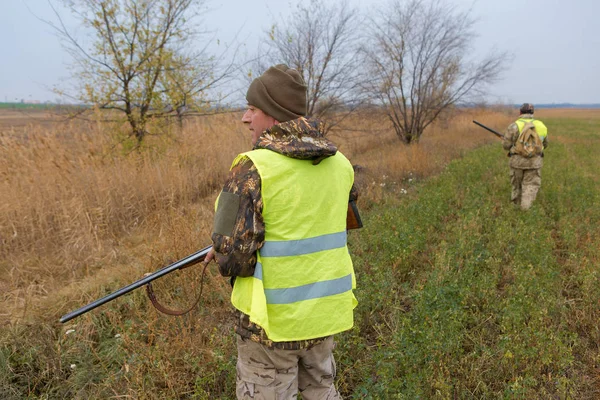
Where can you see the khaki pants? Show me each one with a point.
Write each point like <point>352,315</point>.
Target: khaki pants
<point>274,374</point>
<point>525,186</point>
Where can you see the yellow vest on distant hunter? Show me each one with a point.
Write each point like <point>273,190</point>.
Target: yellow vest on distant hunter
<point>540,128</point>
<point>303,281</point>
<point>530,141</point>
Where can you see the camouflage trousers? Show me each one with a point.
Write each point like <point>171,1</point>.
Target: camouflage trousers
<point>265,373</point>
<point>525,186</point>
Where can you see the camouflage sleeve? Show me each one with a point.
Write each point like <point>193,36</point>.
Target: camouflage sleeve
<point>510,137</point>
<point>239,229</point>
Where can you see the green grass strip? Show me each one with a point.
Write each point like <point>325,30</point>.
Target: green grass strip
<point>463,295</point>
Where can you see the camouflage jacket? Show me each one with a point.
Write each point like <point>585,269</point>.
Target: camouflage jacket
<point>517,161</point>
<point>237,241</point>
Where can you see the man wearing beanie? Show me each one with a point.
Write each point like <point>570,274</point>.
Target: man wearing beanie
<point>280,234</point>
<point>525,140</point>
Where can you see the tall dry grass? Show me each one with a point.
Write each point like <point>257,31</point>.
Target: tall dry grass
<point>69,198</point>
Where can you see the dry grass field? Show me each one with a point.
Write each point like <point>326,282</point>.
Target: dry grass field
<point>80,217</point>
<point>18,120</point>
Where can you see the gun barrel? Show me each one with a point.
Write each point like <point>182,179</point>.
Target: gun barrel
<point>489,129</point>
<point>184,262</point>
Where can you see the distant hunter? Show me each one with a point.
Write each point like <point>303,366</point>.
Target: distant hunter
<point>525,140</point>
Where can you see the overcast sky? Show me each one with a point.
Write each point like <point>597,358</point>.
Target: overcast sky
<point>556,44</point>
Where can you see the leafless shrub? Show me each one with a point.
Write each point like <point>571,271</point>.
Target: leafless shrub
<point>418,64</point>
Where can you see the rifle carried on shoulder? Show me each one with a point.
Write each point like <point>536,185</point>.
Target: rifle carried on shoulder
<point>489,129</point>
<point>188,261</point>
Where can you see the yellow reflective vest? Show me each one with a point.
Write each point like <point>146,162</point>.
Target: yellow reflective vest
<point>540,128</point>
<point>303,281</point>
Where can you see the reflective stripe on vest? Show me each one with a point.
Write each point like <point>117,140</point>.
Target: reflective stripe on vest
<point>303,246</point>
<point>305,292</point>
<point>304,273</point>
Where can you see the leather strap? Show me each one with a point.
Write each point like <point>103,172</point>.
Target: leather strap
<point>170,311</point>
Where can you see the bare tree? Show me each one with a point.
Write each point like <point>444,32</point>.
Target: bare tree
<point>189,83</point>
<point>137,59</point>
<point>418,65</point>
<point>320,41</point>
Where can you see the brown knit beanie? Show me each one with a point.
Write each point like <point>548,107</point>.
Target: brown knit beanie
<point>279,92</point>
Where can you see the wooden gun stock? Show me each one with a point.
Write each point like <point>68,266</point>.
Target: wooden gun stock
<point>353,220</point>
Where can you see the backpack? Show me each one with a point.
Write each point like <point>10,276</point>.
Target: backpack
<point>528,143</point>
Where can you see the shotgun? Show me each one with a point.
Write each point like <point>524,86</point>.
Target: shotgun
<point>183,263</point>
<point>489,129</point>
